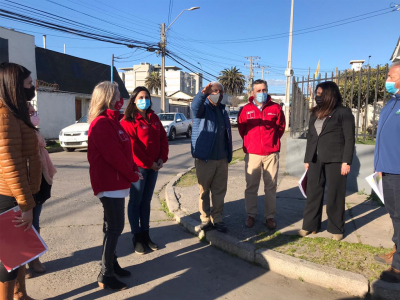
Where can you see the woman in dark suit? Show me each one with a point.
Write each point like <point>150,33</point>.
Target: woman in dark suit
<point>329,153</point>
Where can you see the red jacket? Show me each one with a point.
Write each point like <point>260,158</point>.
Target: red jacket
<point>261,131</point>
<point>109,154</point>
<point>149,139</point>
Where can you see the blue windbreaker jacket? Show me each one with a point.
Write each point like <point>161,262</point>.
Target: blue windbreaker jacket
<point>204,130</point>
<point>387,149</point>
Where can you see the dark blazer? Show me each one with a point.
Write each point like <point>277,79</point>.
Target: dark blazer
<point>336,141</point>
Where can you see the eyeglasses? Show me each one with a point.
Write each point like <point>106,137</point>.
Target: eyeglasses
<point>33,114</point>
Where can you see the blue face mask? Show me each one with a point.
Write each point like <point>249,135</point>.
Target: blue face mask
<point>143,104</point>
<point>262,97</point>
<point>391,88</point>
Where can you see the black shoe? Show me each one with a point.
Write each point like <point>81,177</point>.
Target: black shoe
<point>220,226</point>
<point>138,244</point>
<point>119,271</point>
<point>111,283</point>
<point>148,242</point>
<point>206,225</point>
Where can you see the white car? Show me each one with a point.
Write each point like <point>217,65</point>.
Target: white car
<point>176,124</point>
<point>233,117</point>
<point>75,136</point>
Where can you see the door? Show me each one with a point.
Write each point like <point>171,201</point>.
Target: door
<point>78,109</point>
<point>179,125</point>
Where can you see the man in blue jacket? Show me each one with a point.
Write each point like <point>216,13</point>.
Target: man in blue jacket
<point>387,162</point>
<point>212,149</point>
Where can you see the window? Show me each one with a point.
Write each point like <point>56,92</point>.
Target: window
<point>166,117</point>
<point>4,50</point>
<point>183,117</point>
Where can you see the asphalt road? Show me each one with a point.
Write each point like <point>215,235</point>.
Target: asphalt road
<point>183,268</point>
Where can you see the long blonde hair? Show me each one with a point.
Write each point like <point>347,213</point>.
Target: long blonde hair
<point>102,96</point>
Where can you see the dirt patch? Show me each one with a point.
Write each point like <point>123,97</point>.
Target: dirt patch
<point>352,257</point>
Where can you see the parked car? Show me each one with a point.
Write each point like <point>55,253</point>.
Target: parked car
<point>75,136</point>
<point>233,116</point>
<point>176,124</point>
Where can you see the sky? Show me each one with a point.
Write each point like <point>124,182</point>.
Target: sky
<point>222,33</point>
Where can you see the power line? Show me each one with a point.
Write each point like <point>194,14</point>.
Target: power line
<point>393,8</point>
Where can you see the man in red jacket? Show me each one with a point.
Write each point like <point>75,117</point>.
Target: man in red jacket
<point>261,125</point>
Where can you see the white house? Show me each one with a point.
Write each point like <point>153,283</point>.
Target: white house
<point>356,65</point>
<point>396,52</point>
<point>175,79</point>
<point>19,48</point>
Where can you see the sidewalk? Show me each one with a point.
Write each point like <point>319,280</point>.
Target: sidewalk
<point>366,222</point>
<point>368,232</point>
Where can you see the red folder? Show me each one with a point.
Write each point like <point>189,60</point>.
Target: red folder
<point>18,247</point>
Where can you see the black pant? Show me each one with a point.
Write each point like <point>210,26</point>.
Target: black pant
<point>321,174</point>
<point>391,193</point>
<point>7,203</point>
<point>114,221</point>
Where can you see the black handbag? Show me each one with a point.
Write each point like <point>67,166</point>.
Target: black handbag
<point>44,192</point>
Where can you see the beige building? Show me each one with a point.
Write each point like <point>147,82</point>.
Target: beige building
<point>175,79</point>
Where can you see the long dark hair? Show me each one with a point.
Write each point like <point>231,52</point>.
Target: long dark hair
<point>331,98</point>
<point>12,93</point>
<point>131,110</point>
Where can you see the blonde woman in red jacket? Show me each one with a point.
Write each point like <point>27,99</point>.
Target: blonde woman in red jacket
<point>150,152</point>
<point>112,171</point>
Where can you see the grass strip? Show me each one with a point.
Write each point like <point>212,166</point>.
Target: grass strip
<point>352,257</point>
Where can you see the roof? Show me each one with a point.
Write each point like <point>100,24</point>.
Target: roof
<point>179,95</point>
<point>396,51</point>
<point>356,61</point>
<point>73,74</point>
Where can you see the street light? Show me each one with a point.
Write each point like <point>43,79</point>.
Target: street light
<point>163,44</point>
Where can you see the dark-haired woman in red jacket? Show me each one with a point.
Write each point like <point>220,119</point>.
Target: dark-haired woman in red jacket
<point>150,152</point>
<point>112,171</point>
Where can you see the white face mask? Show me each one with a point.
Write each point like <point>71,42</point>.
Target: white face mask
<point>214,98</point>
<point>35,120</point>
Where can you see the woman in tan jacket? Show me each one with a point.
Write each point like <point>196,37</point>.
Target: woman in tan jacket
<point>20,166</point>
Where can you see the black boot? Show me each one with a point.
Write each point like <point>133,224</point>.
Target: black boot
<point>111,283</point>
<point>148,242</point>
<point>118,270</point>
<point>138,243</point>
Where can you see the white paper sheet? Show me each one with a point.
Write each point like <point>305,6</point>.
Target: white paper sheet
<point>375,181</point>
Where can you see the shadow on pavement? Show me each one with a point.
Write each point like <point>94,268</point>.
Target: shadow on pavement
<point>198,269</point>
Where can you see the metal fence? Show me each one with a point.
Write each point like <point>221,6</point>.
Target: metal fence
<point>363,91</point>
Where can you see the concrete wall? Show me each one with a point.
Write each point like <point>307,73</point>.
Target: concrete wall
<point>56,110</point>
<point>362,166</point>
<point>21,49</point>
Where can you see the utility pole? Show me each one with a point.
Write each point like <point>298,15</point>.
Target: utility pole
<point>289,70</point>
<point>163,44</point>
<point>251,68</point>
<point>263,72</point>
<point>44,41</point>
<point>112,68</point>
<point>65,49</point>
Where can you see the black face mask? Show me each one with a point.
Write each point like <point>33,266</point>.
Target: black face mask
<point>30,93</point>
<point>318,100</point>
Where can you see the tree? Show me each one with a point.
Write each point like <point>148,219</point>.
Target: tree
<point>232,80</point>
<point>153,82</point>
<point>351,95</point>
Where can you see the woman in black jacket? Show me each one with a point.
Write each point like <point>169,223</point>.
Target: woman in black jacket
<point>329,153</point>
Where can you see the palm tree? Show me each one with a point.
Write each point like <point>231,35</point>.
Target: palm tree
<point>232,80</point>
<point>153,82</point>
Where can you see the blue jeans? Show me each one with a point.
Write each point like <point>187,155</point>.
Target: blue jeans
<point>391,193</point>
<point>139,201</point>
<point>37,210</point>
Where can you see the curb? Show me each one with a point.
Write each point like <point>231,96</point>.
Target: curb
<point>288,266</point>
